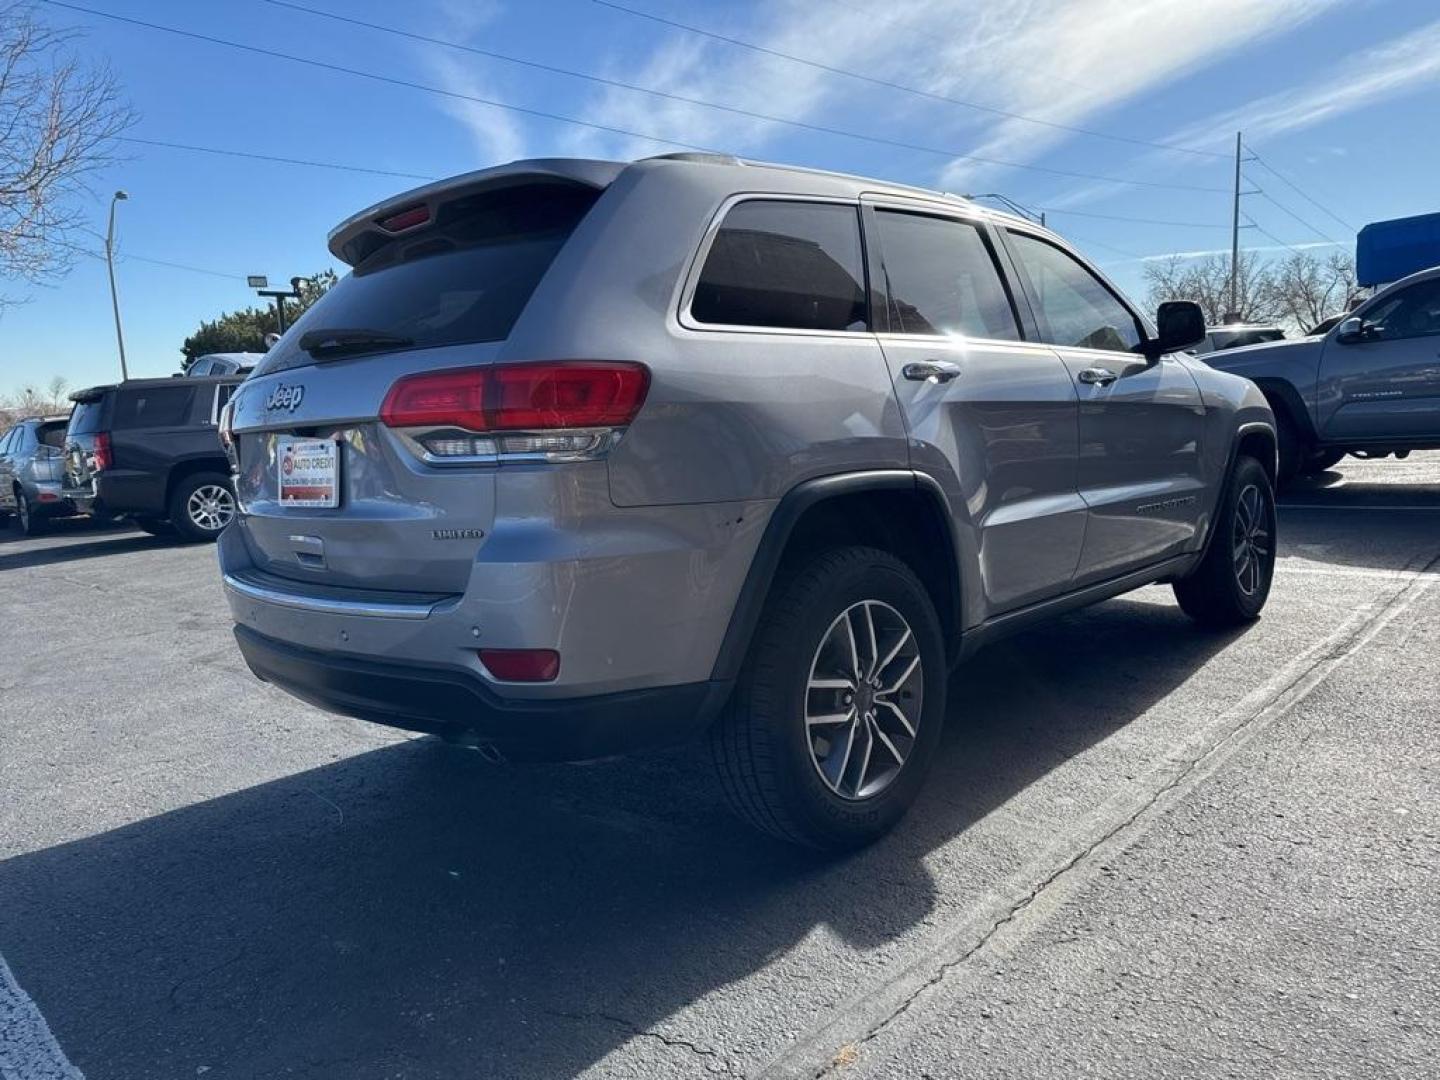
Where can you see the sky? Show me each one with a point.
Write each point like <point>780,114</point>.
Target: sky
<point>1117,117</point>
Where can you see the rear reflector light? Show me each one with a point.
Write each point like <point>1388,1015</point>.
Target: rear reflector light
<point>520,397</point>
<point>405,219</point>
<point>100,457</point>
<point>521,665</point>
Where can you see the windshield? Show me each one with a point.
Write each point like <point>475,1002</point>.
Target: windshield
<point>466,280</point>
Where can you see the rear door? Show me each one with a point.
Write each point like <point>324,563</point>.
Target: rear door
<point>990,415</point>
<point>1141,422</point>
<point>1386,385</point>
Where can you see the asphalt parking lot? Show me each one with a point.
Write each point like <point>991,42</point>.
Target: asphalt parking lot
<point>1146,851</point>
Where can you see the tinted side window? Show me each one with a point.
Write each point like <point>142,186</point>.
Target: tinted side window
<point>6,440</point>
<point>941,278</point>
<point>1410,313</point>
<point>793,265</point>
<point>1073,307</point>
<point>152,407</point>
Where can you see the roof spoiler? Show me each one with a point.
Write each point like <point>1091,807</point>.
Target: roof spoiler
<point>372,228</point>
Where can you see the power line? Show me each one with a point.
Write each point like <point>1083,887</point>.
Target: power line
<point>1287,211</point>
<point>274,158</point>
<point>1135,220</point>
<point>636,88</point>
<point>1295,188</point>
<point>1270,236</point>
<point>125,256</point>
<point>874,81</point>
<point>373,76</point>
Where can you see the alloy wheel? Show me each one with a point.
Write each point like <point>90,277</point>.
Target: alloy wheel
<point>210,507</point>
<point>1251,541</point>
<point>863,700</point>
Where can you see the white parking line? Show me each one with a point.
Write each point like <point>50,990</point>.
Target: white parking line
<point>28,1051</point>
<point>1352,506</point>
<point>1356,572</point>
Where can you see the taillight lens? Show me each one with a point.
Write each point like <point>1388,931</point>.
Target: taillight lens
<point>558,410</point>
<point>101,458</point>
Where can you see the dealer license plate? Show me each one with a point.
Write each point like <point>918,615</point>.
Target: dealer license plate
<point>309,472</point>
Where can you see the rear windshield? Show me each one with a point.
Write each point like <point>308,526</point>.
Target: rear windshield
<point>466,280</point>
<point>88,417</point>
<point>52,434</point>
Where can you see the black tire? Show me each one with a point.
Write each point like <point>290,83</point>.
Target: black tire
<point>30,518</point>
<point>190,522</point>
<point>765,748</point>
<point>1319,462</point>
<point>155,526</point>
<point>1225,589</point>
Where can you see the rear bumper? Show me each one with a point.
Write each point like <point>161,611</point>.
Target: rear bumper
<point>458,704</point>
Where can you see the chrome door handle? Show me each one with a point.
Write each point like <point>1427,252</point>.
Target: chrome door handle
<point>1097,376</point>
<point>936,371</point>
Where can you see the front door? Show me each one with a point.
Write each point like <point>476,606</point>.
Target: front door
<point>1386,385</point>
<point>1141,422</point>
<point>989,415</point>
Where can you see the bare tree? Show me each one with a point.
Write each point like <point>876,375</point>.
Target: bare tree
<point>30,400</point>
<point>1207,282</point>
<point>59,118</point>
<point>1308,290</point>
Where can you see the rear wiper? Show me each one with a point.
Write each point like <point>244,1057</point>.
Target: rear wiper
<point>327,344</point>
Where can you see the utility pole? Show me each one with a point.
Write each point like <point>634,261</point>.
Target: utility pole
<point>1233,315</point>
<point>119,196</point>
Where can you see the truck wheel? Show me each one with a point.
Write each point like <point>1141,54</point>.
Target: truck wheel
<point>201,506</point>
<point>836,716</point>
<point>1232,582</point>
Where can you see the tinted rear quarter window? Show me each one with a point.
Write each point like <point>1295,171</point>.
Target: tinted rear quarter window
<point>153,407</point>
<point>466,279</point>
<point>941,278</point>
<point>88,417</point>
<point>790,265</point>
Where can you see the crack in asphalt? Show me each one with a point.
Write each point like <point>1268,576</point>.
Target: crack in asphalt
<point>648,1033</point>
<point>1333,655</point>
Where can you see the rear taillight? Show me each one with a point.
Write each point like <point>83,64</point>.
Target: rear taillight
<point>558,411</point>
<point>101,458</point>
<point>227,435</point>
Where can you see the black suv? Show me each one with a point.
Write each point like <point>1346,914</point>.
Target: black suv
<point>149,450</point>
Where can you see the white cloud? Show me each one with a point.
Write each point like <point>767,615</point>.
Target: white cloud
<point>1064,61</point>
<point>497,134</point>
<point>1384,71</point>
<point>1401,65</point>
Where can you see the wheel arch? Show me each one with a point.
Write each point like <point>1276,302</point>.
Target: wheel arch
<point>183,470</point>
<point>1285,400</point>
<point>902,511</point>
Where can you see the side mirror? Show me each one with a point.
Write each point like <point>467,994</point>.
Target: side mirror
<point>1180,324</point>
<point>1351,331</point>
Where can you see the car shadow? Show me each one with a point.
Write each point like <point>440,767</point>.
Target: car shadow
<point>1360,523</point>
<point>416,911</point>
<point>75,545</point>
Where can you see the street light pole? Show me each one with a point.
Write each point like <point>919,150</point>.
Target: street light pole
<point>119,196</point>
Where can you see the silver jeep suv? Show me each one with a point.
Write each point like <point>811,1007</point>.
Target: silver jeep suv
<point>586,456</point>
